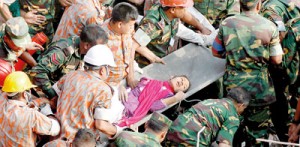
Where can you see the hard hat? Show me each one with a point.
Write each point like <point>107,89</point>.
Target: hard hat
<point>5,70</point>
<point>99,55</point>
<point>177,3</point>
<point>17,82</point>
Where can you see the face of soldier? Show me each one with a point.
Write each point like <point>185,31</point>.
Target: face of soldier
<point>241,108</point>
<point>179,84</point>
<point>127,27</point>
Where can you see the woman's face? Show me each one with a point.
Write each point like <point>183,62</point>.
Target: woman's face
<point>180,83</point>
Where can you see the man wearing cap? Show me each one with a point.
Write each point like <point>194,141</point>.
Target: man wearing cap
<point>158,30</point>
<point>250,42</point>
<point>156,129</point>
<point>210,120</point>
<point>15,40</point>
<point>64,56</point>
<point>20,122</point>
<point>85,96</point>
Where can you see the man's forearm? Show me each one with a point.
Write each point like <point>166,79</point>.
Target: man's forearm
<point>5,12</point>
<point>106,127</point>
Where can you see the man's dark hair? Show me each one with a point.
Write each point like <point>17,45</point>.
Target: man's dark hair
<point>186,78</point>
<point>84,136</point>
<point>245,7</point>
<point>15,97</point>
<point>124,12</point>
<point>92,33</point>
<point>154,126</point>
<point>240,95</point>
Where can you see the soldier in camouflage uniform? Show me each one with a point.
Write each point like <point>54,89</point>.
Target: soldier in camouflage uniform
<point>156,130</point>
<point>219,117</point>
<point>45,8</point>
<point>290,44</point>
<point>280,12</point>
<point>157,30</point>
<point>217,10</point>
<point>250,43</point>
<point>64,56</point>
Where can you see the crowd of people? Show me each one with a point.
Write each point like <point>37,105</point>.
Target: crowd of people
<point>67,72</point>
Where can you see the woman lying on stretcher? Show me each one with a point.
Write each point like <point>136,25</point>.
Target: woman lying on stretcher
<point>153,95</point>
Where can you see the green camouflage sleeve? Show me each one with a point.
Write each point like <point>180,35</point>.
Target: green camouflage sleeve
<point>227,131</point>
<point>150,28</point>
<point>48,64</point>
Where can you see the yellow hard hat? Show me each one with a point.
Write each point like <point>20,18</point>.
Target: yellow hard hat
<point>17,82</point>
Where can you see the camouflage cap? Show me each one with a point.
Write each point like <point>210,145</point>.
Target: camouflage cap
<point>17,29</point>
<point>161,120</point>
<point>248,3</point>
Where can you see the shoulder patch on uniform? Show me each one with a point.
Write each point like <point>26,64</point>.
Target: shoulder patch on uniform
<point>141,37</point>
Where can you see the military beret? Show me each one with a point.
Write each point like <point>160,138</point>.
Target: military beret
<point>160,119</point>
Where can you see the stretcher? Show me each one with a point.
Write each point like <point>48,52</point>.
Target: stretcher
<point>196,62</point>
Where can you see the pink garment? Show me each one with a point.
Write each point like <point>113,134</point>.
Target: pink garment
<point>149,93</point>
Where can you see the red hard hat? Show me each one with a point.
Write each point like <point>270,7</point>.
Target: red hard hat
<point>5,69</point>
<point>177,3</point>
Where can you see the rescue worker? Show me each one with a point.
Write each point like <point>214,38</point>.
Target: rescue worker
<point>119,28</point>
<point>20,123</point>
<point>84,137</point>
<point>217,10</point>
<point>79,15</point>
<point>41,7</point>
<point>156,129</point>
<point>85,96</point>
<point>158,30</point>
<point>64,56</point>
<point>250,43</point>
<point>280,12</point>
<point>218,119</point>
<point>15,40</point>
<point>290,44</point>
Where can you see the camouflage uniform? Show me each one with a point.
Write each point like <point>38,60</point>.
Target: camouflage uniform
<point>218,116</point>
<point>280,10</point>
<point>45,8</point>
<point>158,31</point>
<point>57,61</point>
<point>248,40</point>
<point>136,139</point>
<point>291,48</point>
<point>217,10</point>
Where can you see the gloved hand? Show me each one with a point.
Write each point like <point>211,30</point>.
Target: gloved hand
<point>46,109</point>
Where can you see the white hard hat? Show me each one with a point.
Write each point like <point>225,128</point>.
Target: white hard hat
<point>99,55</point>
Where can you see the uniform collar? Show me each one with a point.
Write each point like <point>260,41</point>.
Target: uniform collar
<point>76,41</point>
<point>247,13</point>
<point>17,102</point>
<point>164,15</point>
